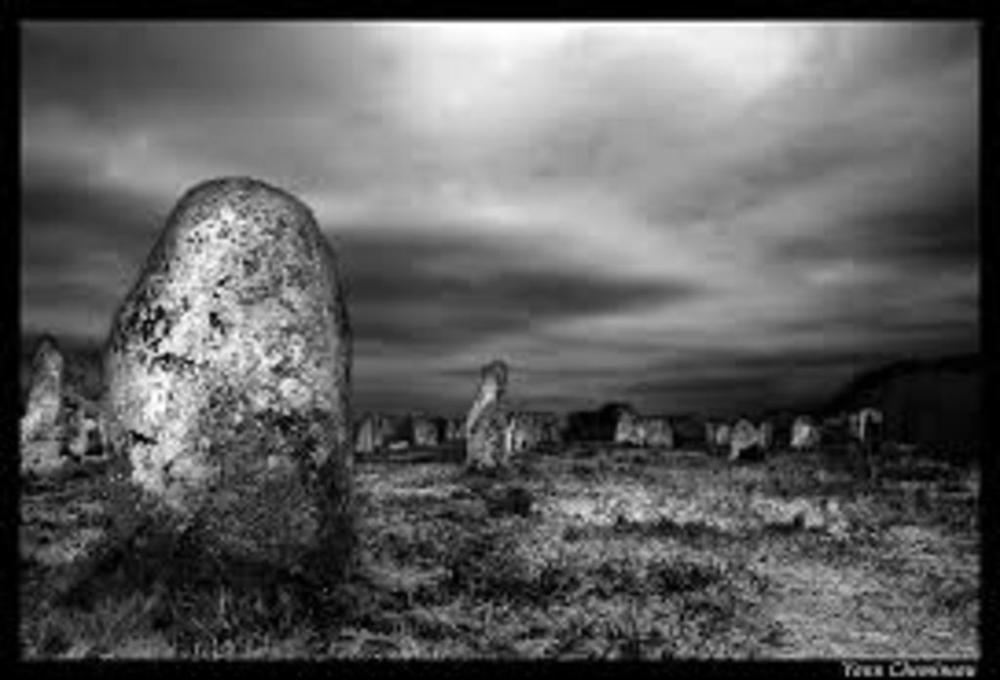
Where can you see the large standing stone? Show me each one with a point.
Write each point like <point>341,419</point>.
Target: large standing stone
<point>486,424</point>
<point>42,424</point>
<point>228,371</point>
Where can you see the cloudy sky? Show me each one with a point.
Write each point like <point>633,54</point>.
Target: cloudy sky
<point>690,217</point>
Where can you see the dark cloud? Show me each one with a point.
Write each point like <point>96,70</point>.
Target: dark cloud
<point>859,54</point>
<point>99,213</point>
<point>924,237</point>
<point>687,217</point>
<point>727,384</point>
<point>446,291</point>
<point>165,68</point>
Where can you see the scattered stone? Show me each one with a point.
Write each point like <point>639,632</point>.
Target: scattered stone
<point>425,431</point>
<point>721,434</point>
<point>657,432</point>
<point>744,440</point>
<point>765,435</point>
<point>228,372</point>
<point>42,426</point>
<point>85,437</point>
<point>453,430</point>
<point>805,434</point>
<point>836,522</point>
<point>486,423</point>
<point>364,441</point>
<point>629,430</point>
<point>508,435</point>
<point>866,426</point>
<point>530,429</point>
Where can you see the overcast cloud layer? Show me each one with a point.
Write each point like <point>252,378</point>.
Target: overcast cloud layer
<point>686,216</point>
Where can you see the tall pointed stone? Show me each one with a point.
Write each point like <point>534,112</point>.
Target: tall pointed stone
<point>486,424</point>
<point>42,426</point>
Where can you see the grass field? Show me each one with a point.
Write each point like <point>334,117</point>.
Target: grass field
<point>585,552</point>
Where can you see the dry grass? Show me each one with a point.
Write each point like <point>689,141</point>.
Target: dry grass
<point>591,553</point>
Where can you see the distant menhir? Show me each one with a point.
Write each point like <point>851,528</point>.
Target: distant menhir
<point>42,423</point>
<point>486,424</point>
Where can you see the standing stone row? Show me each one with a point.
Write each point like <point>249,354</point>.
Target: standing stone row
<point>633,429</point>
<point>59,425</point>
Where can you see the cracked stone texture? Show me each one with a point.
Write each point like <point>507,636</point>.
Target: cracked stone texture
<point>228,372</point>
<point>486,424</point>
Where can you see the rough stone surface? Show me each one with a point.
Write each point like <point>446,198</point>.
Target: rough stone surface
<point>42,426</point>
<point>630,429</point>
<point>658,432</point>
<point>425,431</point>
<point>805,434</point>
<point>743,439</point>
<point>375,431</point>
<point>718,435</point>
<point>364,440</point>
<point>42,457</point>
<point>533,428</point>
<point>228,371</point>
<point>84,431</point>
<point>487,422</point>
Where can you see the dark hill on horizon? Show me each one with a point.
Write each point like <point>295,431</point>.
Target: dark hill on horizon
<point>933,402</point>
